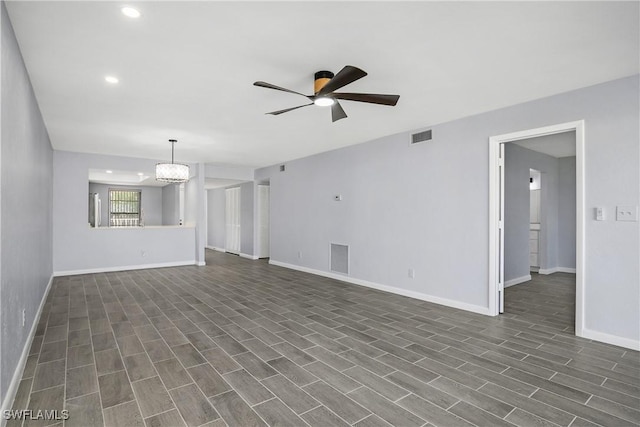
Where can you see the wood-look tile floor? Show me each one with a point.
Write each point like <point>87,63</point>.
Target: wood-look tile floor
<point>243,343</point>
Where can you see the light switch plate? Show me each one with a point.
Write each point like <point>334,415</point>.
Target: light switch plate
<point>626,213</point>
<point>599,214</point>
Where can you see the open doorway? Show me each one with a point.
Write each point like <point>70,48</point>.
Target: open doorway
<point>511,237</point>
<point>539,229</point>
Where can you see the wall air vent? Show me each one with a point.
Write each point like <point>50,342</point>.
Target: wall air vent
<point>419,137</point>
<point>339,258</point>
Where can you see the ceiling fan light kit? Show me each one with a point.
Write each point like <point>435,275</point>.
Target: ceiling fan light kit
<point>172,172</point>
<point>324,101</point>
<point>324,86</point>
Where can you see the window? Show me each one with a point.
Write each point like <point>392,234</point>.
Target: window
<point>124,208</point>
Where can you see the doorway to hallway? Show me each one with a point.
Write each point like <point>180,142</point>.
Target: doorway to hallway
<point>507,267</point>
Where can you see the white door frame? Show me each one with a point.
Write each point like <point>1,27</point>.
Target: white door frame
<point>496,206</point>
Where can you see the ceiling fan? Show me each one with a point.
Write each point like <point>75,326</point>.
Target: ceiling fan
<point>326,84</point>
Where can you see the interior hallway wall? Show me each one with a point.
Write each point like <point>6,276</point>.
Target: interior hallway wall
<point>215,218</point>
<point>567,212</point>
<point>518,161</point>
<point>558,211</point>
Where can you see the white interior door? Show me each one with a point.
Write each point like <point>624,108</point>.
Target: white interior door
<point>232,220</point>
<point>263,221</point>
<point>501,233</point>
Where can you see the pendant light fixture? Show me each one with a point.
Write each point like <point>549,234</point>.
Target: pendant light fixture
<point>172,172</point>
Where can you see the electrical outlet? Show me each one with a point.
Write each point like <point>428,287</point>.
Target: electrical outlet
<point>24,317</point>
<point>143,254</point>
<point>412,273</point>
<point>626,213</point>
<point>299,254</point>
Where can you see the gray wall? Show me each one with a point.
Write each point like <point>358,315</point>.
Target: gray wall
<point>25,205</point>
<point>557,213</point>
<point>78,247</point>
<point>427,206</point>
<point>567,212</point>
<point>171,204</point>
<point>152,204</point>
<point>215,218</point>
<point>246,218</point>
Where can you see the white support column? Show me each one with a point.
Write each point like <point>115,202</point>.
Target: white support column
<point>201,215</point>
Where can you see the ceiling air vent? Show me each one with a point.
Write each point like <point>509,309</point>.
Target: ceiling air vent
<point>419,137</point>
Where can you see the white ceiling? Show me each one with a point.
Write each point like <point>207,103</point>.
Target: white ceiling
<point>186,69</point>
<point>557,145</point>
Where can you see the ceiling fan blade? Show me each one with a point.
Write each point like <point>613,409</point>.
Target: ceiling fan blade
<point>348,74</point>
<point>275,113</point>
<point>337,112</point>
<point>373,98</point>
<point>270,86</point>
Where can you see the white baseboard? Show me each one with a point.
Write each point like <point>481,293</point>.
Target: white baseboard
<point>398,291</point>
<point>611,339</point>
<point>215,248</point>
<point>17,374</point>
<point>557,270</point>
<point>517,281</point>
<point>201,263</point>
<point>123,268</point>
<point>247,256</point>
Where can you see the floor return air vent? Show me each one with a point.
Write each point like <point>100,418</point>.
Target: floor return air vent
<point>339,258</point>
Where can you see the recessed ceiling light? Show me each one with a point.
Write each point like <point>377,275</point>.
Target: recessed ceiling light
<point>109,171</point>
<point>130,12</point>
<point>111,79</point>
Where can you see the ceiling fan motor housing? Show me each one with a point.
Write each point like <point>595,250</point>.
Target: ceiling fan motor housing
<point>321,78</point>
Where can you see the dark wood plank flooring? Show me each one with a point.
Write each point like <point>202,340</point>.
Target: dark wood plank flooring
<point>244,343</point>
